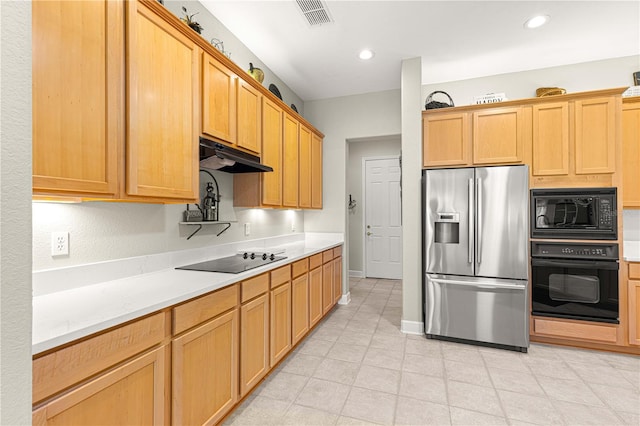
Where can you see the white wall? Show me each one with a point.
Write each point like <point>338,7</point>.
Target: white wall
<point>583,77</point>
<point>341,119</point>
<point>101,231</point>
<point>15,213</point>
<point>357,150</point>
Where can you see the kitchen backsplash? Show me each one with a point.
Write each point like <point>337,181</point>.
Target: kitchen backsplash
<point>631,225</point>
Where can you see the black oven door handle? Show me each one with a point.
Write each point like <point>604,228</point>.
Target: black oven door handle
<point>583,264</point>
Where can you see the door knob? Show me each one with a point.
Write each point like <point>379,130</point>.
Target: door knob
<point>369,233</point>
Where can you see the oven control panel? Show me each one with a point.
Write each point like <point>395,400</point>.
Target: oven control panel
<point>574,250</point>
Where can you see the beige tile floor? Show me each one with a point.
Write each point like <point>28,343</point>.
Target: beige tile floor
<point>357,368</point>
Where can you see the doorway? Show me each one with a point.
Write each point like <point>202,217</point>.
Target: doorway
<point>382,217</point>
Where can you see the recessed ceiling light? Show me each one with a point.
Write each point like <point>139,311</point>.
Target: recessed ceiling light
<point>366,54</point>
<point>536,21</point>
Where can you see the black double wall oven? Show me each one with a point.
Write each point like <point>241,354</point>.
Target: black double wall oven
<point>573,278</point>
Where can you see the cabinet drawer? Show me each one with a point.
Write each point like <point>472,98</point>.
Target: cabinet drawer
<point>634,270</point>
<point>254,287</point>
<point>68,366</point>
<point>327,256</point>
<point>300,267</point>
<point>571,330</point>
<point>280,276</point>
<point>337,252</point>
<point>315,261</point>
<point>203,308</point>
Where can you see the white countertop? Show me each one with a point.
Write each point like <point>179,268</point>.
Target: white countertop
<point>631,251</point>
<point>68,314</point>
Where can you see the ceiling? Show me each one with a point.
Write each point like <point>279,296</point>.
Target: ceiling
<point>456,40</point>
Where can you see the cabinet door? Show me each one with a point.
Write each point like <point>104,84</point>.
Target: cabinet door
<point>304,168</point>
<point>254,342</point>
<point>163,106</point>
<point>218,100</point>
<point>551,139</point>
<point>327,287</point>
<point>445,140</point>
<point>78,83</point>
<point>272,153</point>
<point>595,135</point>
<point>337,279</point>
<point>280,322</point>
<point>634,312</point>
<point>316,171</point>
<point>631,154</point>
<point>290,162</point>
<point>133,394</point>
<point>248,117</point>
<point>205,371</point>
<point>299,307</point>
<point>315,296</point>
<point>497,136</point>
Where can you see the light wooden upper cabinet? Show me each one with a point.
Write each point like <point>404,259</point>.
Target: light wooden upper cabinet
<point>290,162</point>
<point>272,153</point>
<point>249,123</point>
<point>631,152</point>
<point>78,80</point>
<point>304,168</point>
<point>481,137</point>
<point>316,171</point>
<point>219,86</point>
<point>163,69</point>
<point>497,136</point>
<point>595,136</point>
<point>230,107</point>
<point>551,139</point>
<point>446,140</point>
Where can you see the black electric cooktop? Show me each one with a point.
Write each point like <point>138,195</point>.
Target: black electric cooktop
<point>233,264</point>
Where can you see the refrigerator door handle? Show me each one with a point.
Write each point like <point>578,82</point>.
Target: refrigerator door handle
<point>470,243</point>
<point>484,286</point>
<point>479,219</point>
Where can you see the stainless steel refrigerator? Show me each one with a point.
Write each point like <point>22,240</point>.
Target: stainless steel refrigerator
<point>476,224</point>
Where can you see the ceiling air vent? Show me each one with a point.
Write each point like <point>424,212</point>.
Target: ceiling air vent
<point>315,11</point>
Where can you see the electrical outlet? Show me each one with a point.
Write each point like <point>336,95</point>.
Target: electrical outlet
<point>293,225</point>
<point>247,229</point>
<point>59,244</point>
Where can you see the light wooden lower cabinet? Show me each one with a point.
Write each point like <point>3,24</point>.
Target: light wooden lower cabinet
<point>327,287</point>
<point>254,342</point>
<point>205,371</point>
<point>634,303</point>
<point>299,308</point>
<point>132,394</point>
<point>315,296</point>
<point>337,279</point>
<point>280,322</point>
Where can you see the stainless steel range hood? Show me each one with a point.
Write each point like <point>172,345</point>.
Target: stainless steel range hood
<point>214,155</point>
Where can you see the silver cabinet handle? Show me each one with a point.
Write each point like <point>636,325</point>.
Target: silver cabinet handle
<point>470,244</point>
<point>479,217</point>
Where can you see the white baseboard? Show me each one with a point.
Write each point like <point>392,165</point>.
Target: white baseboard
<point>412,327</point>
<point>356,274</point>
<point>345,299</point>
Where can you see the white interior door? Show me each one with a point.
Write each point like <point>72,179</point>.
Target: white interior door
<point>382,221</point>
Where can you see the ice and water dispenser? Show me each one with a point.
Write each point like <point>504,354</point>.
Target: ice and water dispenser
<point>447,228</point>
